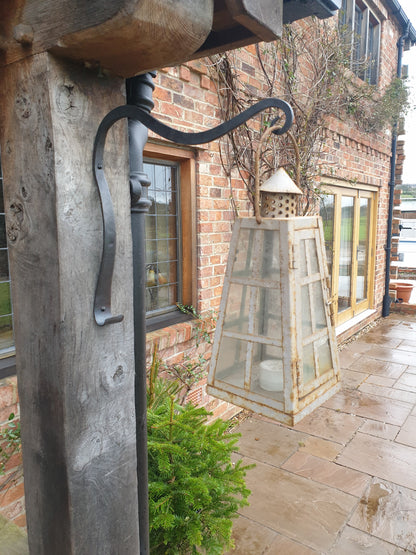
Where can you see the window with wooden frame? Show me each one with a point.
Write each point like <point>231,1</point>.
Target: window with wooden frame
<point>361,29</point>
<point>170,234</point>
<point>349,220</point>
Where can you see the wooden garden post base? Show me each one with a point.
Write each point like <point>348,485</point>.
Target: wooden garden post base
<point>76,379</point>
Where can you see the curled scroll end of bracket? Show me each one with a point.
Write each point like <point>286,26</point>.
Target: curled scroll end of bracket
<point>285,126</point>
<point>103,316</point>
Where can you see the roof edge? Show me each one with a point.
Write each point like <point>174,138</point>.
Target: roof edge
<point>402,18</point>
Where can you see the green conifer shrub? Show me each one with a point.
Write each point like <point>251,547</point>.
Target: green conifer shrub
<point>195,489</point>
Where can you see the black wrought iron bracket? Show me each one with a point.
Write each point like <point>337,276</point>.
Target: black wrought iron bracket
<point>102,302</point>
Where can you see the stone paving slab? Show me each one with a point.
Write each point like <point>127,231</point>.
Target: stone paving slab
<point>383,391</point>
<point>375,407</point>
<point>407,434</point>
<point>380,380</point>
<point>330,424</point>
<point>407,381</point>
<point>299,508</point>
<point>380,352</point>
<point>328,473</point>
<point>372,365</point>
<point>268,442</point>
<point>288,547</point>
<point>381,458</point>
<point>351,379</point>
<point>250,537</point>
<point>380,429</point>
<point>356,542</point>
<point>388,512</point>
<point>321,448</point>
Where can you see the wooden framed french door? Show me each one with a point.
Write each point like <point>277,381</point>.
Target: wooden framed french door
<point>349,218</point>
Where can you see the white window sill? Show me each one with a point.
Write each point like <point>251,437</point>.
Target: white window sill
<point>354,321</point>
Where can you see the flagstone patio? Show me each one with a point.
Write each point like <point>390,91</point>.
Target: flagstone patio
<point>343,480</point>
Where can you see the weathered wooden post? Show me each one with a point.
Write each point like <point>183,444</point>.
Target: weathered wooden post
<point>75,378</point>
<point>62,68</point>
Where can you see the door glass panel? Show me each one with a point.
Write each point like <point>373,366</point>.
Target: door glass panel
<point>327,215</point>
<point>362,250</point>
<point>345,253</point>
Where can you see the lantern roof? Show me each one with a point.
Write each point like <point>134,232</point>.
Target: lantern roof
<point>280,182</point>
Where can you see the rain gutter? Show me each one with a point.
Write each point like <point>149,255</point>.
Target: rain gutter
<point>397,11</point>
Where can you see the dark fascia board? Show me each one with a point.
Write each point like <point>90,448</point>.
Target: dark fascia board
<point>397,11</point>
<point>299,9</point>
<point>240,32</point>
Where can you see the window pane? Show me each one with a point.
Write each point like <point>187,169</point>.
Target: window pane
<point>303,269</point>
<point>372,52</point>
<point>6,332</point>
<point>361,29</point>
<point>308,258</point>
<point>306,312</point>
<point>3,241</point>
<point>267,371</point>
<point>359,37</point>
<point>231,361</point>
<point>5,299</point>
<point>362,250</point>
<point>243,262</point>
<point>318,305</point>
<point>162,239</point>
<point>6,313</point>
<point>263,320</point>
<point>327,215</point>
<point>324,356</point>
<point>237,311</point>
<point>270,266</point>
<point>308,364</point>
<point>310,245</point>
<point>345,253</point>
<point>4,265</point>
<point>343,14</point>
<point>268,318</point>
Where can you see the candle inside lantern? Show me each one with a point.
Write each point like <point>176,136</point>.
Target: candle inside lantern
<point>271,375</point>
